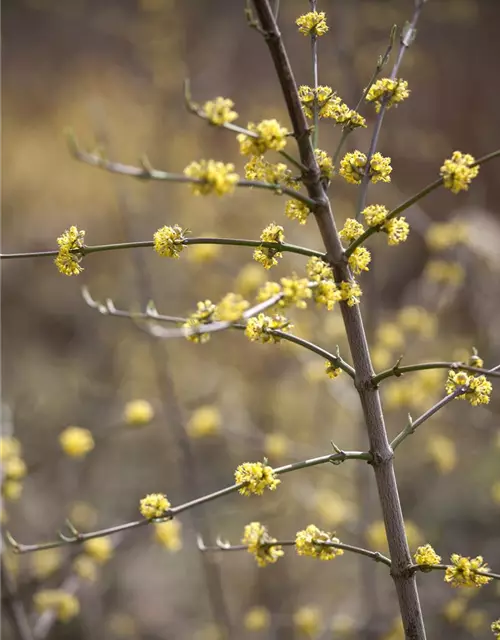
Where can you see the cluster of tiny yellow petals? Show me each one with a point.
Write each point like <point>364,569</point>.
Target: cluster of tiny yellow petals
<point>331,370</point>
<point>270,136</point>
<point>375,214</point>
<point>99,549</point>
<point>260,328</point>
<point>353,167</point>
<point>231,308</point>
<point>388,92</point>
<point>66,261</point>
<point>296,210</point>
<point>268,256</point>
<point>295,291</point>
<point>350,292</point>
<point>445,235</point>
<point>268,290</point>
<point>256,477</point>
<point>260,544</point>
<point>326,293</point>
<point>46,562</point>
<point>214,177</point>
<point>65,605</point>
<point>318,270</point>
<point>426,555</point>
<point>76,442</point>
<point>203,315</point>
<point>169,534</point>
<point>463,571</point>
<point>13,468</point>
<point>457,172</point>
<point>495,628</point>
<point>205,421</point>
<point>312,23</point>
<point>168,241</point>
<point>154,505</point>
<point>478,389</point>
<point>359,260</point>
<point>220,111</point>
<point>325,163</point>
<point>445,272</point>
<point>309,543</point>
<point>328,105</point>
<point>138,413</point>
<point>351,230</point>
<point>397,230</point>
<point>259,169</point>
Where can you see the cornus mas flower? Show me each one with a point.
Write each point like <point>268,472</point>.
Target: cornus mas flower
<point>318,270</point>
<point>259,328</point>
<point>445,235</point>
<point>76,442</point>
<point>270,136</point>
<point>295,291</point>
<point>457,173</point>
<point>259,169</point>
<point>312,23</point>
<point>215,177</point>
<point>100,549</point>
<point>168,241</point>
<point>426,555</point>
<point>462,573</point>
<point>331,370</point>
<point>326,293</point>
<point>445,272</point>
<point>325,163</point>
<point>257,477</point>
<point>220,111</point>
<point>296,210</point>
<point>138,413</point>
<point>65,605</point>
<point>350,292</point>
<point>260,544</point>
<point>168,534</point>
<point>204,314</point>
<point>353,167</point>
<point>308,543</point>
<point>351,230</point>
<point>397,230</point>
<point>268,290</point>
<point>329,105</point>
<point>495,628</point>
<point>478,388</point>
<point>67,262</point>
<point>267,256</point>
<point>359,260</point>
<point>154,505</point>
<point>257,619</point>
<point>231,308</point>
<point>387,91</point>
<point>375,214</point>
<point>205,421</point>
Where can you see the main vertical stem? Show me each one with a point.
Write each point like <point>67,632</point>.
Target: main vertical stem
<point>404,579</point>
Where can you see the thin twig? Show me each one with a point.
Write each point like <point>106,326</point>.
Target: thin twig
<point>442,567</point>
<point>398,370</point>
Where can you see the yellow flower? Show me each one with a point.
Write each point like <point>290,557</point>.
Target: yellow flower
<point>295,291</point>
<point>455,609</point>
<point>318,270</point>
<point>270,136</point>
<point>45,563</point>
<point>387,91</point>
<point>169,534</point>
<point>203,315</point>
<point>256,477</point>
<point>14,468</point>
<point>259,328</point>
<point>443,452</point>
<point>329,105</point>
<point>353,167</point>
<point>220,111</point>
<point>350,292</point>
<point>138,413</point>
<point>445,272</point>
<point>331,370</point>
<point>475,620</point>
<point>154,505</point>
<point>250,278</point>
<point>205,421</point>
<point>76,442</point>
<point>308,621</point>
<point>168,241</point>
<point>276,445</point>
<point>463,572</point>
<point>397,230</point>
<point>259,544</point>
<point>325,163</point>
<point>11,490</point>
<point>309,543</point>
<point>99,549</point>
<point>213,177</point>
<point>9,448</point>
<point>268,256</point>
<point>312,23</point>
<point>351,230</point>
<point>295,210</point>
<point>495,628</point>
<point>332,508</point>
<point>426,555</point>
<point>71,246</point>
<point>389,335</point>
<point>82,514</point>
<point>418,320</point>
<point>204,252</point>
<point>445,235</point>
<point>375,214</point>
<point>65,605</point>
<point>85,567</point>
<point>231,308</point>
<point>359,260</point>
<point>457,173</point>
<point>376,535</point>
<point>257,619</point>
<point>259,169</point>
<point>478,389</point>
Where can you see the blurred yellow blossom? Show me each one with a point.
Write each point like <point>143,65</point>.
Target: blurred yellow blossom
<point>308,543</point>
<point>443,452</point>
<point>83,515</point>
<point>211,177</point>
<point>308,621</point>
<point>205,252</point>
<point>99,549</point>
<point>276,445</point>
<point>249,279</point>
<point>9,448</point>
<point>138,412</point>
<point>205,421</point>
<point>455,609</point>
<point>85,567</point>
<point>46,562</point>
<point>389,335</point>
<point>259,544</point>
<point>332,508</point>
<point>169,534</point>
<point>14,468</point>
<point>231,308</point>
<point>475,620</point>
<point>418,320</point>
<point>257,619</point>
<point>11,490</point>
<point>441,236</point>
<point>220,111</point>
<point>64,604</point>
<point>445,272</point>
<point>76,442</point>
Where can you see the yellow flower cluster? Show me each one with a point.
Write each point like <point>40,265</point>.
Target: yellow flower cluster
<point>169,534</point>
<point>457,173</point>
<point>295,210</point>
<point>99,549</point>
<point>154,505</point>
<point>231,308</point>
<point>445,235</point>
<point>257,619</point>
<point>138,413</point>
<point>463,572</point>
<point>312,23</point>
<point>495,628</point>
<point>71,245</point>
<point>325,164</point>
<point>353,167</point>
<point>426,555</point>
<point>308,621</point>
<point>359,260</point>
<point>270,135</point>
<point>256,477</point>
<point>76,442</point>
<point>260,328</point>
<point>318,270</point>
<point>168,241</point>
<point>417,320</point>
<point>351,230</point>
<point>331,370</point>
<point>397,230</point>
<point>13,468</point>
<point>203,315</point>
<point>325,292</point>
<point>211,177</point>
<point>443,452</point>
<point>65,605</point>
<point>310,542</point>
<point>268,256</point>
<point>295,291</point>
<point>350,292</point>
<point>445,272</point>
<point>259,169</point>
<point>478,389</point>
<point>220,111</point>
<point>388,92</point>
<point>375,214</point>
<point>260,544</point>
<point>329,105</point>
<point>205,421</point>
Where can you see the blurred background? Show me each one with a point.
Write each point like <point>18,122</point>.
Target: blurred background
<point>113,72</point>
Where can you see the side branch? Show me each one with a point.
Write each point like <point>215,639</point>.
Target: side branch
<point>397,370</point>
